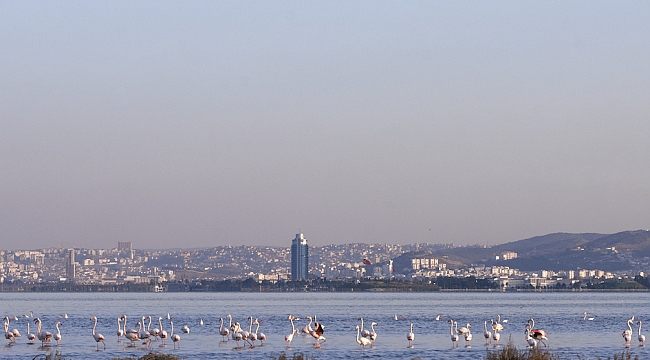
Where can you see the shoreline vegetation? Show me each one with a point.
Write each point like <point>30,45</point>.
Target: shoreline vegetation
<point>440,284</point>
<point>511,352</point>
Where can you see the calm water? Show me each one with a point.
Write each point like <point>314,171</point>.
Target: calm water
<point>560,314</point>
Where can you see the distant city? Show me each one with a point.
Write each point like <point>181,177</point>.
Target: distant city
<point>419,262</point>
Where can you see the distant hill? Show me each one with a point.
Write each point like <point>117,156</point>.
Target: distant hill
<point>560,251</point>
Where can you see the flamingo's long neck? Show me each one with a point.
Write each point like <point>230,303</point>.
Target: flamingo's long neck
<point>629,325</point>
<point>293,328</point>
<point>230,321</point>
<point>639,327</point>
<point>372,327</point>
<point>361,324</point>
<point>160,324</point>
<point>451,328</point>
<point>57,329</point>
<point>411,328</point>
<point>358,332</point>
<point>220,325</point>
<point>171,324</point>
<point>532,323</point>
<point>28,328</point>
<point>257,328</point>
<point>38,328</point>
<point>250,326</point>
<point>94,326</point>
<point>485,326</point>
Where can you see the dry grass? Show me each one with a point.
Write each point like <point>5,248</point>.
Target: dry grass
<point>296,356</point>
<point>152,356</point>
<point>510,352</point>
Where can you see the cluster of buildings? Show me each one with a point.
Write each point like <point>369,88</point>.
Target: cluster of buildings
<point>344,262</point>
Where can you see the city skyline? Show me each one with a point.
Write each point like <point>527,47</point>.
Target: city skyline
<point>205,124</point>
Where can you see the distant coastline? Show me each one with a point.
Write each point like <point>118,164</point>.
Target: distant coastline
<point>316,286</point>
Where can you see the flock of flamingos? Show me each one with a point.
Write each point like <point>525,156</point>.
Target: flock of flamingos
<point>234,331</point>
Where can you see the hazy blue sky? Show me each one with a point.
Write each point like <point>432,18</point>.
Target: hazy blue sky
<point>190,123</point>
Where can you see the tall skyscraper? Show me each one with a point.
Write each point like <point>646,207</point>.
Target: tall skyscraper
<point>299,258</point>
<point>70,265</point>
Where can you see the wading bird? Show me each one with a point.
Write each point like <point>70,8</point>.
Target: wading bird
<point>410,336</point>
<point>361,340</point>
<point>57,336</point>
<point>641,337</point>
<point>486,334</point>
<point>537,334</point>
<point>97,336</point>
<point>289,337</point>
<point>176,339</point>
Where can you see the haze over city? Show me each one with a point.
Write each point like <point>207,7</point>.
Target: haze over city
<point>196,124</point>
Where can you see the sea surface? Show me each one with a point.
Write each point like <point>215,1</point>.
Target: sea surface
<point>560,314</point>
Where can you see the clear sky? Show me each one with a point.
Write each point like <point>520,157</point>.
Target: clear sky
<point>205,123</point>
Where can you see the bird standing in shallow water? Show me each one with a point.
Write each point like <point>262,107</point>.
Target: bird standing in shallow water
<point>361,340</point>
<point>410,336</point>
<point>97,336</point>
<point>57,336</point>
<point>537,334</point>
<point>289,337</point>
<point>641,337</point>
<point>486,334</point>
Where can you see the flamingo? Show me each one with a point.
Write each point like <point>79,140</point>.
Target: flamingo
<point>318,333</point>
<point>31,337</point>
<point>307,328</point>
<point>163,333</point>
<point>127,331</point>
<point>497,324</point>
<point>97,336</point>
<point>8,334</point>
<point>14,331</point>
<point>185,329</point>
<point>63,316</point>
<point>539,334</point>
<point>468,335</point>
<point>57,336</point>
<point>155,332</point>
<point>641,337</point>
<point>120,332</point>
<point>31,314</point>
<point>251,335</point>
<point>143,334</point>
<point>452,334</point>
<point>244,334</point>
<point>410,336</point>
<point>176,339</point>
<point>486,333</point>
<point>201,321</point>
<point>532,343</point>
<point>463,330</point>
<point>132,336</point>
<point>373,334</point>
<point>362,340</point>
<point>289,337</point>
<point>261,337</point>
<point>495,333</point>
<point>224,332</point>
<point>43,336</point>
<point>627,334</point>
<point>584,317</point>
<point>365,333</point>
